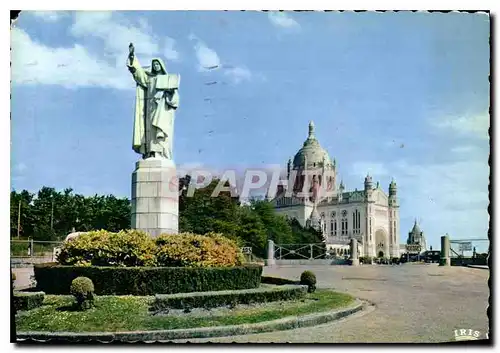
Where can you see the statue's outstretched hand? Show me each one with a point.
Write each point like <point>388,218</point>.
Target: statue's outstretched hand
<point>131,53</point>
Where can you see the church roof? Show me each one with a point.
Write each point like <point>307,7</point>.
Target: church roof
<point>416,228</point>
<point>312,152</point>
<point>315,218</point>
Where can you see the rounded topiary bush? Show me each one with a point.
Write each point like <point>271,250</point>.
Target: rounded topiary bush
<point>82,289</point>
<point>308,278</point>
<point>192,250</point>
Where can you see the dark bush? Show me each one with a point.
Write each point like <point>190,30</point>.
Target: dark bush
<point>28,300</point>
<point>366,259</point>
<point>222,298</point>
<point>56,279</point>
<point>308,278</point>
<point>277,281</point>
<point>82,289</point>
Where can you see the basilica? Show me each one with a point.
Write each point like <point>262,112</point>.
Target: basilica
<point>369,215</point>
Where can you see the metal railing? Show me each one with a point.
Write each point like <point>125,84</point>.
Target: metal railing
<point>469,251</point>
<point>300,251</point>
<point>32,248</point>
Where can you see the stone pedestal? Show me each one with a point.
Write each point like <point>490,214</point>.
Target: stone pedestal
<point>445,251</point>
<point>155,197</point>
<point>354,252</point>
<point>270,253</point>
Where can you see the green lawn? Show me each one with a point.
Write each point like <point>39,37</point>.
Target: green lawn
<point>130,313</point>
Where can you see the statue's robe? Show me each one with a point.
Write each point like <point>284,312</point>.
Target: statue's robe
<point>156,96</point>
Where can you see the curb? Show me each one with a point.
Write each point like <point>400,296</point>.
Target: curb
<point>287,323</point>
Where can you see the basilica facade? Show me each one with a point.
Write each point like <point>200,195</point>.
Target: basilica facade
<point>369,215</point>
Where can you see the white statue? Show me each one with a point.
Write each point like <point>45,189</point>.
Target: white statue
<point>156,100</point>
<point>73,235</point>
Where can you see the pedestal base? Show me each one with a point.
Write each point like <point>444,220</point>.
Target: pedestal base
<point>445,262</point>
<point>155,197</point>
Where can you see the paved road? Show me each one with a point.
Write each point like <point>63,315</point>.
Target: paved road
<point>413,303</point>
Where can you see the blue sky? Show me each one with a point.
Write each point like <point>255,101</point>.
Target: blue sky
<point>398,95</point>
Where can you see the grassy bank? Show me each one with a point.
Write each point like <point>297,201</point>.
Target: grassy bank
<point>130,313</point>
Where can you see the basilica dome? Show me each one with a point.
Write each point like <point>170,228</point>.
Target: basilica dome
<point>312,152</point>
<point>416,229</point>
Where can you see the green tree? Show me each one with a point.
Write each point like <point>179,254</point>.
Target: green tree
<point>277,226</point>
<point>51,215</point>
<point>252,231</point>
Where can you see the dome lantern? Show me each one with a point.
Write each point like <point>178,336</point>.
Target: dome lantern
<point>312,153</point>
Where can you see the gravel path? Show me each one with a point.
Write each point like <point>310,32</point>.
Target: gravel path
<point>414,303</point>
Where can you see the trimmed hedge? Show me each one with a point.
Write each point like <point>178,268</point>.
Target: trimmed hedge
<point>56,279</point>
<point>28,300</point>
<point>222,298</point>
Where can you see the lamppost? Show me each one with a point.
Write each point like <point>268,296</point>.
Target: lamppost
<point>52,214</point>
<point>19,220</point>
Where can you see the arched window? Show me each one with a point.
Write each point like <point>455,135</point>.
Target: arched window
<point>356,221</point>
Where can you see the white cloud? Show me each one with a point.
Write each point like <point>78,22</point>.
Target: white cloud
<point>20,168</point>
<point>34,63</point>
<point>281,19</point>
<point>361,169</point>
<point>116,33</point>
<point>209,61</point>
<point>77,66</point>
<point>473,125</point>
<point>49,16</point>
<point>464,149</point>
<point>238,74</point>
<point>448,197</point>
<point>169,49</point>
<point>207,57</point>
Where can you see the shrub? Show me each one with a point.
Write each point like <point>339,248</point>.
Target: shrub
<point>56,279</point>
<point>28,300</point>
<point>192,250</point>
<point>13,276</point>
<point>82,289</point>
<point>103,248</point>
<point>366,259</point>
<point>221,298</point>
<point>308,278</point>
<point>136,248</point>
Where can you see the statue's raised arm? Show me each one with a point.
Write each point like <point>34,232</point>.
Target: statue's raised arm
<point>135,67</point>
<point>131,53</point>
